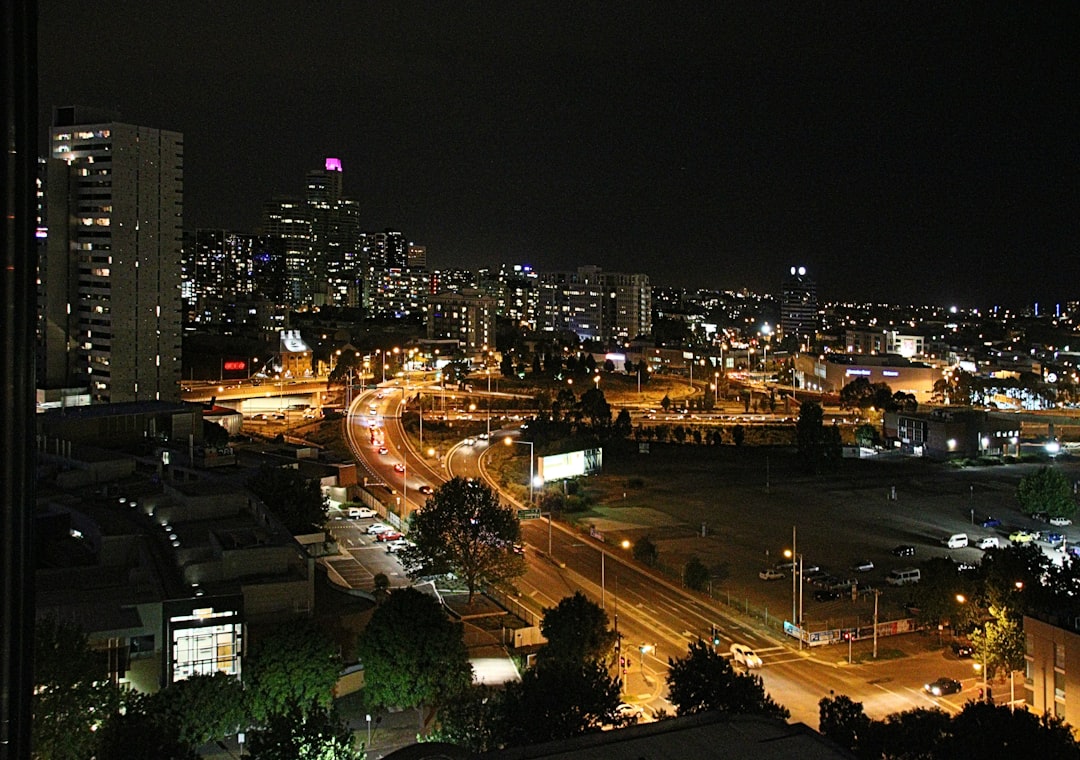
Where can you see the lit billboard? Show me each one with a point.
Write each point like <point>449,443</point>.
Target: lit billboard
<point>569,465</point>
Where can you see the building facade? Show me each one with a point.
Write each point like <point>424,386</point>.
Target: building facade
<point>467,317</point>
<point>799,306</point>
<point>111,306</point>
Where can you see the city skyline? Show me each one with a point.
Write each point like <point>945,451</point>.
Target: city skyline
<point>900,156</point>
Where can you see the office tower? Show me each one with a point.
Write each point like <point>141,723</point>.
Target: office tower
<point>467,317</point>
<point>799,307</point>
<point>111,279</point>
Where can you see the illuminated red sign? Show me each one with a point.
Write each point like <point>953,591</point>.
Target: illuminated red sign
<point>235,366</point>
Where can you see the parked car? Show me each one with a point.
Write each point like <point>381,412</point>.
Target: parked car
<point>360,513</point>
<point>862,566</point>
<point>1060,522</point>
<point>826,595</point>
<point>393,547</point>
<point>376,528</point>
<point>768,574</point>
<point>943,686</point>
<point>1052,538</point>
<point>903,550</point>
<point>963,650</point>
<point>990,542</point>
<point>745,656</point>
<point>389,535</point>
<point>991,522</point>
<point>1021,537</point>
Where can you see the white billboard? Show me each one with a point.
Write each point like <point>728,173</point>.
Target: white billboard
<point>569,465</point>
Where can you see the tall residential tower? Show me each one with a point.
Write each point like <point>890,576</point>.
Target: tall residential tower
<point>111,274</point>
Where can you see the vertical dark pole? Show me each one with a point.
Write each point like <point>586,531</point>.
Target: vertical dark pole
<point>18,171</point>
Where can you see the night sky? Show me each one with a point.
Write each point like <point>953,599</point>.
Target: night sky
<point>903,152</point>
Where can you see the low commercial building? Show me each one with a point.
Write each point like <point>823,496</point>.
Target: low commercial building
<point>952,432</point>
<point>831,372</point>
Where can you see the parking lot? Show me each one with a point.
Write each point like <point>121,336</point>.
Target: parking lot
<point>747,502</point>
<point>360,555</point>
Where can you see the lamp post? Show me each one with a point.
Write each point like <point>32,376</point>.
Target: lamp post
<point>532,477</point>
<point>979,666</point>
<point>796,582</point>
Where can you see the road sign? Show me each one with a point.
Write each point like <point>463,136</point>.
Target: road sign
<point>528,514</point>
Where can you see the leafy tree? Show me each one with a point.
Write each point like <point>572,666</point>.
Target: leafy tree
<point>983,730</point>
<point>304,732</point>
<point>665,402</point>
<point>696,574</point>
<point>558,700</point>
<point>817,445</point>
<point>857,394</point>
<point>72,692</point>
<point>463,527</point>
<point>738,435</point>
<point>202,708</point>
<point>703,680</point>
<point>935,595</point>
<point>297,501</point>
<point>1046,490</point>
<point>141,733</point>
<point>413,654</point>
<point>1000,642</point>
<point>473,720</point>
<point>911,734</point>
<point>843,721</point>
<point>576,631</point>
<point>506,366</point>
<point>596,409</point>
<point>645,551</point>
<point>295,665</point>
<point>903,402</point>
<point>623,425</point>
<point>865,435</point>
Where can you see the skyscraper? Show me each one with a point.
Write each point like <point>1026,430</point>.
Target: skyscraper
<point>799,306</point>
<point>111,275</point>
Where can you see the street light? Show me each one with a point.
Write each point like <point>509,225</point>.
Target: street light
<point>532,477</point>
<point>796,581</point>
<point>978,666</point>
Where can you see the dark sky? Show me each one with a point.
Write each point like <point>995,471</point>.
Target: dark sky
<point>903,152</point>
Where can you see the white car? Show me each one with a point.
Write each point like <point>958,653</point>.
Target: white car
<point>1060,522</point>
<point>745,656</point>
<point>376,528</point>
<point>768,574</point>
<point>393,547</point>
<point>990,542</point>
<point>360,513</point>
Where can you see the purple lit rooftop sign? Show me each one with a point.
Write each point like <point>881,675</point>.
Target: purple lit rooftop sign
<point>333,164</point>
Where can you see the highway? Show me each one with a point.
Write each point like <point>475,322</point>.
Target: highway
<point>655,618</point>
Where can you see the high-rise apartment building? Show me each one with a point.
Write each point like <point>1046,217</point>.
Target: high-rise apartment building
<point>799,306</point>
<point>467,317</point>
<point>227,275</point>
<point>610,307</point>
<point>111,306</point>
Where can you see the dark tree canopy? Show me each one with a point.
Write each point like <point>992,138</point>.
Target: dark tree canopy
<point>202,708</point>
<point>1046,490</point>
<point>296,664</point>
<point>302,733</point>
<point>463,528</point>
<point>71,691</point>
<point>413,654</point>
<point>818,445</point>
<point>295,500</point>
<point>703,680</point>
<point>558,700</point>
<point>576,631</point>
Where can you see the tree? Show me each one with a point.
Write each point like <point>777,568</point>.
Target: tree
<point>295,500</point>
<point>473,720</point>
<point>295,665</point>
<point>304,732</point>
<point>623,426</point>
<point>413,654</point>
<point>202,708</point>
<point>703,680</point>
<point>596,408</point>
<point>696,574</point>
<point>140,733</point>
<point>645,551</point>
<point>843,721</point>
<point>865,435</point>
<point>463,527</point>
<point>1046,490</point>
<point>665,402</point>
<point>72,692</point>
<point>576,631</point>
<point>817,445</point>
<point>738,435</point>
<point>558,700</point>
<point>1000,642</point>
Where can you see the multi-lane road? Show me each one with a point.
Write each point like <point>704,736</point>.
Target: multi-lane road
<point>656,620</point>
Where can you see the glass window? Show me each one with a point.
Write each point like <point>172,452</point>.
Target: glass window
<point>1059,656</point>
<point>1059,684</point>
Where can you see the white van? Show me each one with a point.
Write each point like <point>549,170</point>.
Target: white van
<point>904,576</point>
<point>956,541</point>
<point>990,542</point>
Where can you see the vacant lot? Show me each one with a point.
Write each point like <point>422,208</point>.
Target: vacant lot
<point>747,500</point>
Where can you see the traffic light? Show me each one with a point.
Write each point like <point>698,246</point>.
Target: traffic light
<point>715,636</point>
